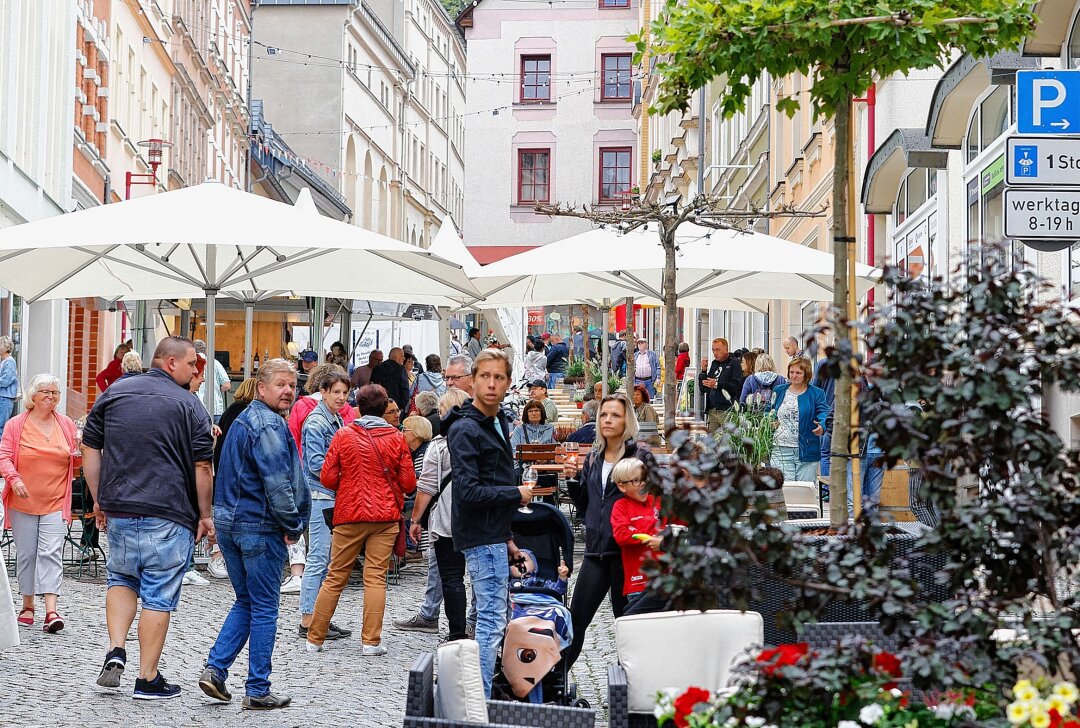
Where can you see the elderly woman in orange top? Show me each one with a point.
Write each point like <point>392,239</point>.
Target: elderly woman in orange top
<point>38,454</point>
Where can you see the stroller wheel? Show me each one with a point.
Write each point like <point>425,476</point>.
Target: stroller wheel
<point>581,703</point>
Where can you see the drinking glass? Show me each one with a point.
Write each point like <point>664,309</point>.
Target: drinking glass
<point>528,479</point>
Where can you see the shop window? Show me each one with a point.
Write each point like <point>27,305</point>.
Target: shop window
<point>1074,43</point>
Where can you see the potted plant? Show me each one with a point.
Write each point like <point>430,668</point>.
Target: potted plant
<point>657,155</point>
<point>579,398</point>
<point>575,372</point>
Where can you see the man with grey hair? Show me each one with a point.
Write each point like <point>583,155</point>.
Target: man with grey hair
<point>458,373</point>
<point>261,505</point>
<point>586,434</point>
<point>147,450</point>
<point>222,383</point>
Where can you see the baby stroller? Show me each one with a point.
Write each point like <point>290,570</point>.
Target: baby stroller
<point>531,667</point>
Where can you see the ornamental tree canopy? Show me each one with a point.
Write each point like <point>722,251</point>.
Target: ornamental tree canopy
<point>844,45</point>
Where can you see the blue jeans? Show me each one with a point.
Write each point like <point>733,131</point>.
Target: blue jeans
<point>872,477</point>
<point>648,384</point>
<point>794,469</point>
<point>433,593</point>
<point>7,405</point>
<point>149,556</point>
<point>554,378</point>
<point>255,561</point>
<point>318,555</point>
<point>826,448</point>
<point>489,571</point>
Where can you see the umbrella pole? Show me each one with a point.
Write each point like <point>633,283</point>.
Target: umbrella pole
<point>249,316</point>
<point>605,350</point>
<point>318,318</point>
<point>211,320</point>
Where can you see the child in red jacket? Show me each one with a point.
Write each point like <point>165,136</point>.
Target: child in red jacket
<point>635,523</point>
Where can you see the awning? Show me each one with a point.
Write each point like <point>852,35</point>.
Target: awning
<point>1049,35</point>
<point>957,90</point>
<point>904,149</point>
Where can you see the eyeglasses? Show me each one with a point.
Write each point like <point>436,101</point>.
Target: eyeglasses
<point>635,481</point>
<point>49,393</point>
<point>449,378</point>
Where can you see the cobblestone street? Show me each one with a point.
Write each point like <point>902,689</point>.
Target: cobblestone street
<point>49,679</point>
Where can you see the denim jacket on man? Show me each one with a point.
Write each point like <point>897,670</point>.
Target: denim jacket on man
<point>318,430</point>
<point>260,486</point>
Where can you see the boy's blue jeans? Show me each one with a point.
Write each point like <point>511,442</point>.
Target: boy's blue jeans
<point>255,561</point>
<point>489,571</point>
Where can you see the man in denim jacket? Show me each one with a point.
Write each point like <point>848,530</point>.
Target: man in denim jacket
<point>261,505</point>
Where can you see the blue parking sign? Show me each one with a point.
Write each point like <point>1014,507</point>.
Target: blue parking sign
<point>1026,160</point>
<point>1048,102</point>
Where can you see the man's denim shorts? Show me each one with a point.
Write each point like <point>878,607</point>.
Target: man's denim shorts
<point>149,556</point>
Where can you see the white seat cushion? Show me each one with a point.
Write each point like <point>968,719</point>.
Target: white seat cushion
<point>682,649</point>
<point>459,688</point>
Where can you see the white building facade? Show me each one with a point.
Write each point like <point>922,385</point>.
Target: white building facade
<point>549,117</point>
<point>386,121</point>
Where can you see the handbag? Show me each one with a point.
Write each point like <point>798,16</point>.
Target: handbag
<point>399,542</point>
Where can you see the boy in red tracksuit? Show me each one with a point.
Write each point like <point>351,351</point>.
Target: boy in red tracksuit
<point>635,522</point>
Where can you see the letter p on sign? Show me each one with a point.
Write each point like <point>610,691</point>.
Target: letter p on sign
<point>1047,93</point>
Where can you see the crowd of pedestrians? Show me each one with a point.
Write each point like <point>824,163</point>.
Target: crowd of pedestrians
<point>321,470</point>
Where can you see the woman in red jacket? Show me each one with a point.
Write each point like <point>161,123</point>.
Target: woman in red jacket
<point>370,466</point>
<point>114,370</point>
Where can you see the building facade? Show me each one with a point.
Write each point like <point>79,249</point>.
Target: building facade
<point>550,117</point>
<point>381,115</point>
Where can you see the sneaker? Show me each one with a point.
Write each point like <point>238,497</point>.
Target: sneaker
<point>53,623</point>
<point>312,647</point>
<point>416,623</point>
<point>265,702</point>
<point>157,689</point>
<point>291,585</point>
<point>373,650</point>
<point>216,568</point>
<point>214,686</point>
<point>115,662</point>
<point>333,632</point>
<point>192,578</point>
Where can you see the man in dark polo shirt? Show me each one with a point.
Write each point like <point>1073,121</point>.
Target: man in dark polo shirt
<point>147,449</point>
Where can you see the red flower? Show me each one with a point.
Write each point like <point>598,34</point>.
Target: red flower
<point>782,656</point>
<point>1055,719</point>
<point>1071,724</point>
<point>887,663</point>
<point>684,704</point>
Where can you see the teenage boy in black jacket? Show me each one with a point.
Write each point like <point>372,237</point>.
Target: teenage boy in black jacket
<point>485,498</point>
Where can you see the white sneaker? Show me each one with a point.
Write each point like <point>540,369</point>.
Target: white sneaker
<point>291,585</point>
<point>372,650</point>
<point>192,578</point>
<point>216,568</point>
<point>312,647</point>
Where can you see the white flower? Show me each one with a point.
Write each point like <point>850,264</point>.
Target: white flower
<point>754,721</point>
<point>871,714</point>
<point>847,724</point>
<point>896,692</point>
<point>943,711</point>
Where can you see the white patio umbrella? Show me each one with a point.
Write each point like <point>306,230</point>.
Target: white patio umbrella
<point>210,239</point>
<point>723,269</point>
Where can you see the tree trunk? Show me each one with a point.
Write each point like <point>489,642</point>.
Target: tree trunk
<point>631,347</point>
<point>671,325</point>
<point>585,331</point>
<point>841,435</point>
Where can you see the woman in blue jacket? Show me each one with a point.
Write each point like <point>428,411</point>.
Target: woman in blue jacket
<point>801,411</point>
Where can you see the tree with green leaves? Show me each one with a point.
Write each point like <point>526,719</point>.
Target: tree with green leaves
<point>844,46</point>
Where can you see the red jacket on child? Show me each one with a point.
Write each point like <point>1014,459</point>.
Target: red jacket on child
<point>629,517</point>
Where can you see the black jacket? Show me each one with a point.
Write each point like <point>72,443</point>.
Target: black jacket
<point>729,378</point>
<point>595,499</point>
<point>395,381</point>
<point>151,432</point>
<point>557,358</point>
<point>485,494</point>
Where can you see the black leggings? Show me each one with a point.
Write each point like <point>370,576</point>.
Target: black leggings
<point>452,572</point>
<point>597,576</point>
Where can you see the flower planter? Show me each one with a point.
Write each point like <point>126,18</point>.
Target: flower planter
<point>778,596</point>
<point>579,404</point>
